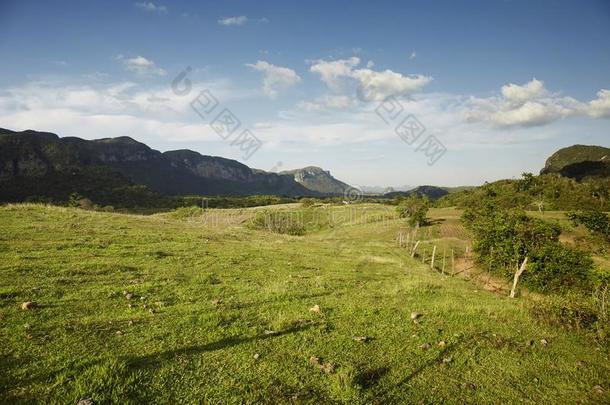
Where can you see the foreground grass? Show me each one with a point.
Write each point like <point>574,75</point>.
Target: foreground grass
<point>230,319</point>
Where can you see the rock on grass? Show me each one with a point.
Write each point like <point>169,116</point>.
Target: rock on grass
<point>28,305</point>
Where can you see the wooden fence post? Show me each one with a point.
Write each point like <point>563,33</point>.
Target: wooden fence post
<point>513,290</point>
<point>452,263</point>
<point>433,254</point>
<point>443,269</point>
<point>414,249</point>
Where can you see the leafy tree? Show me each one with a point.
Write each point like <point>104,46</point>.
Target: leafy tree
<point>594,220</point>
<point>503,238</point>
<point>414,208</point>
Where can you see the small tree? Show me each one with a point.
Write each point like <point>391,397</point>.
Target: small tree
<point>414,209</point>
<point>307,202</point>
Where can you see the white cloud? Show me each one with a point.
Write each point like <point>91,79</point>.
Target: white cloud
<point>275,78</point>
<point>334,73</point>
<point>151,7</point>
<point>142,66</point>
<point>520,94</point>
<point>328,102</point>
<point>377,86</point>
<point>228,21</point>
<point>527,105</point>
<point>600,107</point>
<point>341,76</point>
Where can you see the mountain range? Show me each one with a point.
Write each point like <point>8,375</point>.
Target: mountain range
<point>41,165</point>
<point>36,163</point>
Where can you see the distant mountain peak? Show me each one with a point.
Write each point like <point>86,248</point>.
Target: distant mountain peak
<point>317,179</point>
<point>579,162</point>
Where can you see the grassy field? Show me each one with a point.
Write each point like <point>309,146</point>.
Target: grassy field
<point>176,308</point>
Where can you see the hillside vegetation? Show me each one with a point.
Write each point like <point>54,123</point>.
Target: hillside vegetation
<point>581,162</point>
<point>198,306</point>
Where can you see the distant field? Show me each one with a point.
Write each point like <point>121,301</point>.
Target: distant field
<point>176,308</point>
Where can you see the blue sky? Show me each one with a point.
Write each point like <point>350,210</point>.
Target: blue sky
<point>499,84</point>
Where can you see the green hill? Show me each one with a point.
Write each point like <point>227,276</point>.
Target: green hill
<point>580,162</point>
<point>318,179</point>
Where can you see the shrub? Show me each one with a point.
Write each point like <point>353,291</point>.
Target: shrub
<point>414,209</point>
<point>555,267</point>
<point>307,202</point>
<point>594,220</point>
<point>278,222</point>
<point>502,239</point>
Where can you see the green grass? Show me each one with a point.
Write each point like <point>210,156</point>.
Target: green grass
<point>216,292</point>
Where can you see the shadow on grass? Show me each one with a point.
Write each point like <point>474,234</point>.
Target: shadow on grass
<point>445,353</point>
<point>154,359</point>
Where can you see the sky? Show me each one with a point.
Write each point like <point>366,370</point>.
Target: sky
<point>380,93</point>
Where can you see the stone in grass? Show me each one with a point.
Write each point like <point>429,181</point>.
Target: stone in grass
<point>425,346</point>
<point>544,342</point>
<point>315,308</point>
<point>529,343</point>
<point>599,389</point>
<point>256,356</point>
<point>415,315</point>
<point>327,368</point>
<point>447,360</point>
<point>26,306</point>
<point>469,386</point>
<point>441,343</point>
<point>129,296</point>
<point>361,339</point>
<point>85,401</point>
<point>119,333</point>
<point>271,333</point>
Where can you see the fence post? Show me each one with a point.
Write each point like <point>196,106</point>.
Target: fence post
<point>433,254</point>
<point>414,249</point>
<point>513,290</point>
<point>452,263</point>
<point>444,251</point>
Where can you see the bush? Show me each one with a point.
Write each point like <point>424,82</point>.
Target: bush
<point>502,240</point>
<point>594,220</point>
<point>555,267</point>
<point>307,202</point>
<point>278,222</point>
<point>414,209</point>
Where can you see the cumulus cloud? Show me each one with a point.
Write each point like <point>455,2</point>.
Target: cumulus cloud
<point>341,75</point>
<point>528,91</point>
<point>377,86</point>
<point>527,105</point>
<point>600,107</point>
<point>328,102</point>
<point>151,7</point>
<point>275,78</point>
<point>142,66</point>
<point>238,20</point>
<point>334,73</point>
